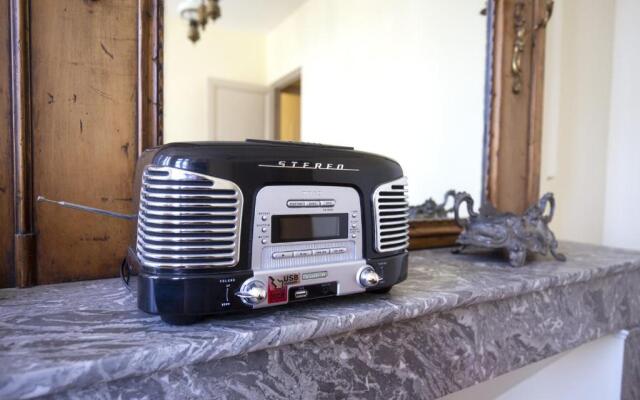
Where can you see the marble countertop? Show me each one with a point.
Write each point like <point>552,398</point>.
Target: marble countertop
<point>57,337</point>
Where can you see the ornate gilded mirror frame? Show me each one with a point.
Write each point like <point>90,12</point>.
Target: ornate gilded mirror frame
<point>513,105</point>
<point>513,114</point>
<point>512,131</point>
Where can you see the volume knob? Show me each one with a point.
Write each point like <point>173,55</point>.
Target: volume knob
<point>368,277</point>
<point>252,292</point>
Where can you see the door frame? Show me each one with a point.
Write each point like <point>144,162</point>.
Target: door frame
<point>275,90</point>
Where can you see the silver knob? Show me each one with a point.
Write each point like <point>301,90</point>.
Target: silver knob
<point>252,292</point>
<point>368,277</point>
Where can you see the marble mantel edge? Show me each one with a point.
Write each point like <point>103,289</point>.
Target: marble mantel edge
<point>348,314</point>
<point>426,357</point>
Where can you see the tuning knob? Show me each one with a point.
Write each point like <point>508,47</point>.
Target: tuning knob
<point>368,277</point>
<point>252,292</point>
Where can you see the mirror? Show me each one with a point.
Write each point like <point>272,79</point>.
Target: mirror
<point>403,78</point>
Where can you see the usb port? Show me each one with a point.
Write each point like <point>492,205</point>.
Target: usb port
<point>301,294</point>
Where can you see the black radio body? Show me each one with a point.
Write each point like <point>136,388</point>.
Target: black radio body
<point>233,226</point>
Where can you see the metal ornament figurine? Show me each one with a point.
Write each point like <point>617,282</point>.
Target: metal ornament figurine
<point>517,234</point>
<point>430,210</point>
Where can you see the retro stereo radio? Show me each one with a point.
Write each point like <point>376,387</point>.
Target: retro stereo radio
<point>232,226</point>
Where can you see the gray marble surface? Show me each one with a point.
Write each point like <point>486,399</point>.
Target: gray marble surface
<point>418,358</point>
<point>456,321</point>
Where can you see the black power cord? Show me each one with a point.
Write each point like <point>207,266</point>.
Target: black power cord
<point>125,274</point>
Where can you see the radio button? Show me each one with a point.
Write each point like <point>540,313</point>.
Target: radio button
<point>312,203</point>
<point>321,252</point>
<point>296,203</point>
<point>368,277</point>
<point>285,254</point>
<point>338,250</point>
<point>252,292</point>
<point>302,253</point>
<point>327,203</point>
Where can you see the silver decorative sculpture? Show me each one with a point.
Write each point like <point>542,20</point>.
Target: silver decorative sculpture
<point>432,210</point>
<point>517,234</point>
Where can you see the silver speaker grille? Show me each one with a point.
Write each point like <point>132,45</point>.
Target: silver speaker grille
<point>188,220</point>
<point>391,205</point>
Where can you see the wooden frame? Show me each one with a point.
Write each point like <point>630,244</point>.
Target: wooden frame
<point>513,177</point>
<point>430,234</point>
<point>150,76</point>
<point>513,114</point>
<point>19,266</point>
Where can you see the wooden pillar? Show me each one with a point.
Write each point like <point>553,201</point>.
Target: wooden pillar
<point>7,220</point>
<point>24,240</point>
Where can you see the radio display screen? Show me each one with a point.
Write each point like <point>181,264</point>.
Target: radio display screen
<point>299,228</point>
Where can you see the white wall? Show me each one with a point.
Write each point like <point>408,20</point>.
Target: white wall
<point>222,54</point>
<point>591,131</point>
<point>622,210</point>
<point>402,78</point>
<point>592,371</point>
<point>576,115</point>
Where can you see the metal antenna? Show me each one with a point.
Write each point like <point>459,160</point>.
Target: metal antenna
<point>88,209</point>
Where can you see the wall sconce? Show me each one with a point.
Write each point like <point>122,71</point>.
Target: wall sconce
<point>198,12</point>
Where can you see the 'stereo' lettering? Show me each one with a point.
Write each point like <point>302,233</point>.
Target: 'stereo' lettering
<point>308,165</point>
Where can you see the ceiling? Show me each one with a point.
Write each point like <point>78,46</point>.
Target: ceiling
<point>258,16</point>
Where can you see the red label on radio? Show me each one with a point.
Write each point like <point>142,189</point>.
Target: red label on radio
<point>278,287</point>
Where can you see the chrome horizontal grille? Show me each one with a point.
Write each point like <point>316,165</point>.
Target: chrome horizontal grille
<point>391,207</point>
<point>188,220</point>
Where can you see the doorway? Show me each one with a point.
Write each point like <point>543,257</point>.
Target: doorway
<point>288,104</point>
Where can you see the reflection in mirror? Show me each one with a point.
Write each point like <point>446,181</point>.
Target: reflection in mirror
<point>400,78</point>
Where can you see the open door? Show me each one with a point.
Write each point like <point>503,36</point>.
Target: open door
<point>287,94</point>
<point>289,114</point>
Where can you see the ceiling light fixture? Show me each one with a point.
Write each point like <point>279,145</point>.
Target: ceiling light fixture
<point>198,13</point>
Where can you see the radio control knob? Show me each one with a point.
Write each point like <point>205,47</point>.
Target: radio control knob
<point>252,292</point>
<point>368,277</point>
